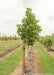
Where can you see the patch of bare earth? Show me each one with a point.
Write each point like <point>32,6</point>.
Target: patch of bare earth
<point>18,69</point>
<point>32,63</point>
<point>51,52</point>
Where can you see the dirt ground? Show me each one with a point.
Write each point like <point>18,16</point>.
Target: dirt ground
<point>52,53</point>
<point>32,63</point>
<point>8,52</point>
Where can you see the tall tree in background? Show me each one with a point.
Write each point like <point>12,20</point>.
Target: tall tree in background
<point>0,36</point>
<point>28,31</point>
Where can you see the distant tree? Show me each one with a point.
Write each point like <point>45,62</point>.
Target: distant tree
<point>52,34</point>
<point>6,38</point>
<point>3,38</point>
<point>48,42</point>
<point>15,37</point>
<point>0,36</point>
<point>10,37</point>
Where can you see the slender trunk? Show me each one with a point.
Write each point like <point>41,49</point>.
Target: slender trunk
<point>23,56</point>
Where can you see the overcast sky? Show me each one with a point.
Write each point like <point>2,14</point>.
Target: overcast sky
<point>12,11</point>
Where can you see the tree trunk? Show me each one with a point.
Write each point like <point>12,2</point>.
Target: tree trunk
<point>23,56</point>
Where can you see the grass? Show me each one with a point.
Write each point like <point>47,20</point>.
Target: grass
<point>3,48</point>
<point>3,43</point>
<point>47,61</point>
<point>10,62</point>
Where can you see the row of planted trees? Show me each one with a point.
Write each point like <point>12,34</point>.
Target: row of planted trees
<point>28,31</point>
<point>47,40</point>
<point>6,38</point>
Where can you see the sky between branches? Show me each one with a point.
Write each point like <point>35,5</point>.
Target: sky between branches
<point>12,11</point>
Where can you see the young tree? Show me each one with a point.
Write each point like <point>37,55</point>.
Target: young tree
<point>0,36</point>
<point>10,37</point>
<point>6,38</point>
<point>15,37</point>
<point>28,31</point>
<point>48,42</point>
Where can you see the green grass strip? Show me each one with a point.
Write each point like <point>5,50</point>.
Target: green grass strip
<point>3,48</point>
<point>3,43</point>
<point>10,62</point>
<point>47,61</point>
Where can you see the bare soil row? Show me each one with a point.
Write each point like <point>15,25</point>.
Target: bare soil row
<point>7,51</point>
<point>50,50</point>
<point>32,63</point>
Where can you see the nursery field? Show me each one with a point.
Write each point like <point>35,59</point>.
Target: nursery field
<point>14,48</point>
<point>8,63</point>
<point>28,53</point>
<point>44,63</point>
<point>7,47</point>
<point>47,61</point>
<point>8,44</point>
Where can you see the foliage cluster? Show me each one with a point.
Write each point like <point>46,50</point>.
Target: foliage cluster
<point>29,29</point>
<point>47,40</point>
